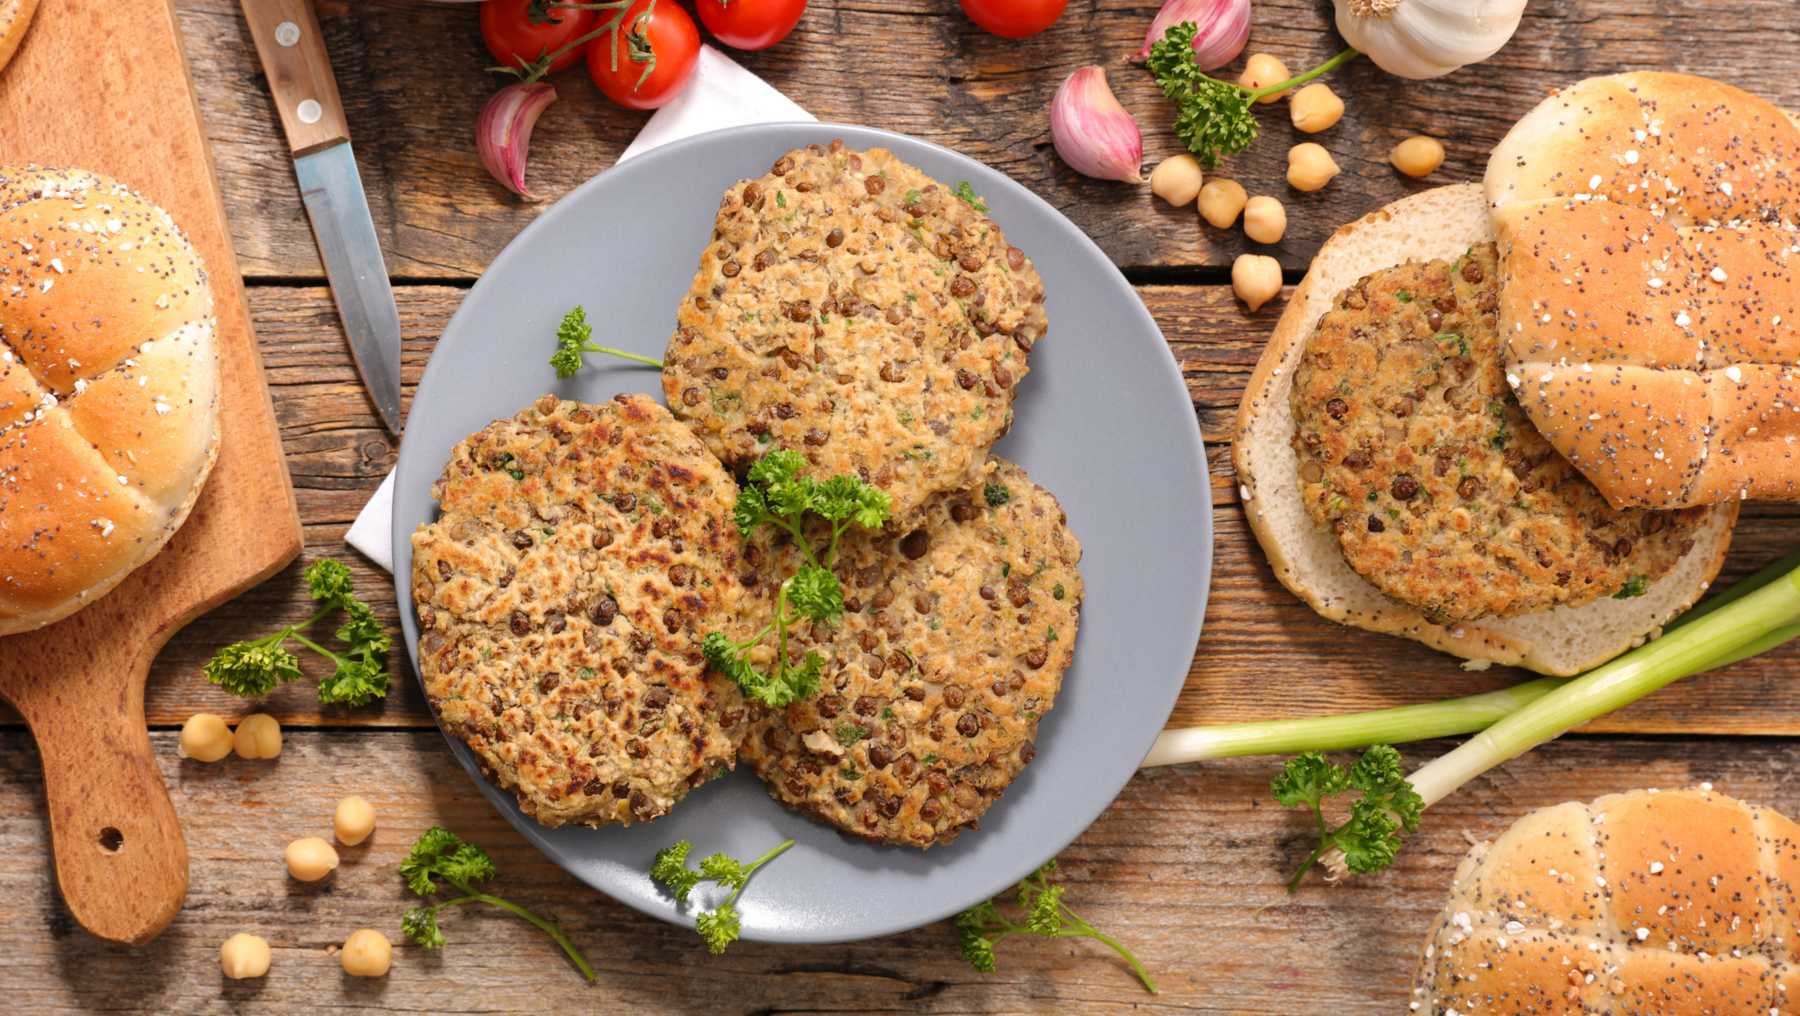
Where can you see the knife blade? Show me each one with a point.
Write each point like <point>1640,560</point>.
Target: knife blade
<point>292,51</point>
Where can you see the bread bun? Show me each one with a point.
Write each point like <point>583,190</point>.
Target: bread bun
<point>1651,286</point>
<point>15,18</point>
<point>1440,223</point>
<point>1674,902</point>
<point>109,381</point>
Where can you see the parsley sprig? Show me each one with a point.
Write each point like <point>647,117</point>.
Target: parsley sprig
<point>439,854</point>
<point>1370,837</point>
<point>720,925</point>
<point>982,926</point>
<point>1213,117</point>
<point>778,495</point>
<point>257,666</point>
<point>572,340</point>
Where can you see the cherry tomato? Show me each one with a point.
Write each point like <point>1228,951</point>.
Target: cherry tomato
<point>513,39</point>
<point>750,24</point>
<point>1014,19</point>
<point>669,43</point>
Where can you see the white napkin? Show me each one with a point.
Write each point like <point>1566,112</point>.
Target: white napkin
<point>722,94</point>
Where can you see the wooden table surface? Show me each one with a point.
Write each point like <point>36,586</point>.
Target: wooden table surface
<point>1187,866</point>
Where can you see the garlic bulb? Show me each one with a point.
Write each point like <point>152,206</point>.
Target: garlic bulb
<point>1428,38</point>
<point>1092,132</point>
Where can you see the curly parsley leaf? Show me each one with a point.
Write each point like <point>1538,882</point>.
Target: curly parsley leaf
<point>438,861</point>
<point>720,925</point>
<point>1387,807</point>
<point>981,927</point>
<point>966,192</point>
<point>258,666</point>
<point>572,342</point>
<point>815,593</point>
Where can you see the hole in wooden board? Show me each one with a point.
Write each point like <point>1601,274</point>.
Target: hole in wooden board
<point>111,840</point>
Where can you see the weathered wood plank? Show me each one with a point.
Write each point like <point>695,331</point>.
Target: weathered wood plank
<point>1187,867</point>
<point>413,81</point>
<point>1263,654</point>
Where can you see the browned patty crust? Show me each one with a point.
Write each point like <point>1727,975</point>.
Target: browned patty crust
<point>854,309</point>
<point>1415,453</point>
<point>953,644</point>
<point>581,554</point>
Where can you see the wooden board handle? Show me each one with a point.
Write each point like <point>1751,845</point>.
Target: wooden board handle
<point>293,56</point>
<point>120,859</point>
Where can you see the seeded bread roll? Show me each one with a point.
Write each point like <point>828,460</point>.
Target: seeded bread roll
<point>1646,902</point>
<point>1436,224</point>
<point>15,18</point>
<point>1650,297</point>
<point>109,381</point>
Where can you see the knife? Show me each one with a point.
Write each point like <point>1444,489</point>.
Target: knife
<point>293,56</point>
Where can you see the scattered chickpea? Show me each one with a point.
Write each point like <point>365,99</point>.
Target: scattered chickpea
<point>366,953</point>
<point>1256,279</point>
<point>1418,156</point>
<point>1265,219</point>
<point>205,738</point>
<point>1315,108</point>
<point>1261,71</point>
<point>310,859</point>
<point>243,956</point>
<point>1176,179</point>
<point>1310,166</point>
<point>1221,201</point>
<point>258,736</point>
<point>354,820</point>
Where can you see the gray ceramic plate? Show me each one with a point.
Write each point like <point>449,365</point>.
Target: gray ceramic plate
<point>1103,421</point>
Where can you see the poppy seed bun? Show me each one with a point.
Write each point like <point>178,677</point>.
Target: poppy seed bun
<point>109,380</point>
<point>1650,298</point>
<point>1436,224</point>
<point>15,18</point>
<point>1646,902</point>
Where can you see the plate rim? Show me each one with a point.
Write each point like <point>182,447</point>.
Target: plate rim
<point>1169,374</point>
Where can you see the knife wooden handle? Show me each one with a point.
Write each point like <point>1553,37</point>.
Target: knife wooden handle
<point>293,56</point>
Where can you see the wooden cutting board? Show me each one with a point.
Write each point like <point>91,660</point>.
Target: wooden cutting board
<point>103,84</point>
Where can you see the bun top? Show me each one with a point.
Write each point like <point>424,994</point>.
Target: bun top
<point>108,388</point>
<point>1649,247</point>
<point>1643,902</point>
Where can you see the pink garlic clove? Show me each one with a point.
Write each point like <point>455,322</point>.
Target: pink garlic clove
<point>503,132</point>
<point>1222,27</point>
<point>1092,132</point>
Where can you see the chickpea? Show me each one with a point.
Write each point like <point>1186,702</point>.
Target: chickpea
<point>205,738</point>
<point>1310,166</point>
<point>310,859</point>
<point>258,736</point>
<point>1176,179</point>
<point>1261,71</point>
<point>354,820</point>
<point>366,953</point>
<point>1265,219</point>
<point>1315,108</point>
<point>1221,201</point>
<point>1256,279</point>
<point>244,956</point>
<point>1418,156</point>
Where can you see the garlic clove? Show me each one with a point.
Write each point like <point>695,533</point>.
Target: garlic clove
<point>503,132</point>
<point>1092,132</point>
<point>1222,28</point>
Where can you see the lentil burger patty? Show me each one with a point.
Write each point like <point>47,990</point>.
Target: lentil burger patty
<point>854,309</point>
<point>1414,452</point>
<point>581,554</point>
<point>952,646</point>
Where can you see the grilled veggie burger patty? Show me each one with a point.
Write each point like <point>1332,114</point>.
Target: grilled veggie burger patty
<point>581,554</point>
<point>952,646</point>
<point>1414,452</point>
<point>855,310</point>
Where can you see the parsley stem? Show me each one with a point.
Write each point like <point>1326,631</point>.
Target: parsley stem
<point>648,361</point>
<point>547,927</point>
<point>1327,67</point>
<point>750,869</point>
<point>1089,931</point>
<point>315,647</point>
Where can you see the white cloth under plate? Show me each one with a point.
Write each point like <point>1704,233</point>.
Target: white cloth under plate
<point>722,94</point>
